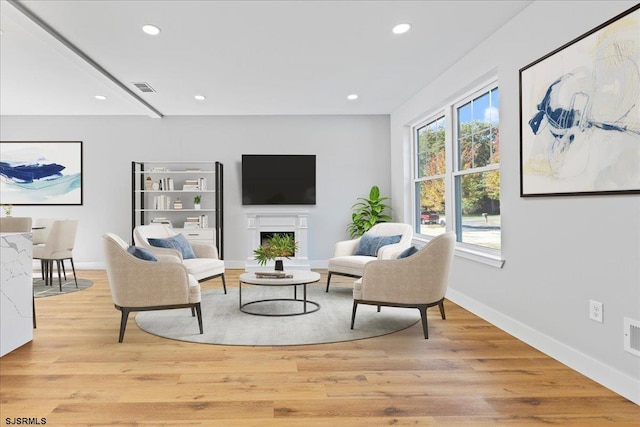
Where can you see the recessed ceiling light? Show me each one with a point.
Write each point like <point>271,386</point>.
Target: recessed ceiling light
<point>401,28</point>
<point>200,97</point>
<point>100,97</point>
<point>352,97</point>
<point>151,29</point>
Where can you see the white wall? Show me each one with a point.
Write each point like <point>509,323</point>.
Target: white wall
<point>352,155</point>
<point>560,252</point>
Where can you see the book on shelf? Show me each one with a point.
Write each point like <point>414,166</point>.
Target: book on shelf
<point>162,202</point>
<point>166,184</point>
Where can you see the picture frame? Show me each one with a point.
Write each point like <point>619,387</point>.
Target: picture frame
<point>580,114</point>
<point>41,173</point>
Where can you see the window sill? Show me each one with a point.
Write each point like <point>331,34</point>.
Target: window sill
<point>486,256</point>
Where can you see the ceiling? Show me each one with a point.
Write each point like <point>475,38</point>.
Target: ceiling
<point>246,57</point>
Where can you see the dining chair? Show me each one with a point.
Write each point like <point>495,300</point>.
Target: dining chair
<point>40,231</point>
<point>58,247</point>
<point>15,224</point>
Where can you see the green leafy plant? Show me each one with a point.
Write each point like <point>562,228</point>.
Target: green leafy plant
<point>196,199</point>
<point>368,212</point>
<point>278,246</point>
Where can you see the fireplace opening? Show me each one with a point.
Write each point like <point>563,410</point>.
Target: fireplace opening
<point>266,235</point>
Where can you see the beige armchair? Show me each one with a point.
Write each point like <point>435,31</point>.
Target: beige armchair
<point>139,285</point>
<point>346,263</point>
<point>206,264</point>
<point>418,281</point>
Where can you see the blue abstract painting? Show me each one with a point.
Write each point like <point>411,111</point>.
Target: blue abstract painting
<point>41,173</point>
<point>580,114</point>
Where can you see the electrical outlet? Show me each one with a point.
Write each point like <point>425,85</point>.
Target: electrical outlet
<point>595,311</point>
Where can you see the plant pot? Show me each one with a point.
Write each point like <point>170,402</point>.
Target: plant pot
<point>196,206</point>
<point>279,265</point>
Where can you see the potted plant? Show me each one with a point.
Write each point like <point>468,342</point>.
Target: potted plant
<point>196,201</point>
<point>7,208</point>
<point>277,247</point>
<point>368,212</point>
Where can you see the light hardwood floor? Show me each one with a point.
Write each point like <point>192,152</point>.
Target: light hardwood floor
<point>469,373</point>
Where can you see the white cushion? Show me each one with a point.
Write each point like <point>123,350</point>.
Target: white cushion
<point>202,268</point>
<point>353,264</point>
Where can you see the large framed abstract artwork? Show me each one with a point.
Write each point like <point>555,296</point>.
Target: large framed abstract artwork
<point>580,114</point>
<point>41,173</point>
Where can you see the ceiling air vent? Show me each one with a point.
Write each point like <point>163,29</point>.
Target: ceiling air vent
<point>144,87</point>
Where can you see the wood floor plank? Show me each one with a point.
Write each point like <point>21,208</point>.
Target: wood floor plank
<point>469,373</point>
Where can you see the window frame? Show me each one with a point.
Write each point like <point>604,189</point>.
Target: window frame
<point>449,111</point>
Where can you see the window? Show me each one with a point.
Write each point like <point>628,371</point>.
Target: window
<point>457,170</point>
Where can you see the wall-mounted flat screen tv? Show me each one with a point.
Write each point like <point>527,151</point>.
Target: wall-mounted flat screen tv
<point>278,179</point>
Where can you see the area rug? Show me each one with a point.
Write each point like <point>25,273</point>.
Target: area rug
<point>224,323</point>
<point>40,290</point>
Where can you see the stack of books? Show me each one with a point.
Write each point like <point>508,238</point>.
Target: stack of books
<point>201,221</point>
<point>273,275</point>
<point>191,185</point>
<point>192,222</point>
<point>160,220</point>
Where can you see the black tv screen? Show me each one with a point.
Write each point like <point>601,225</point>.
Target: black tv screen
<point>270,179</point>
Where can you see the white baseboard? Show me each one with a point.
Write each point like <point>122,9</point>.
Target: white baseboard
<point>611,378</point>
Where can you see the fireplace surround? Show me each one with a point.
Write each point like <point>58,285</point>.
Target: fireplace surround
<point>261,223</point>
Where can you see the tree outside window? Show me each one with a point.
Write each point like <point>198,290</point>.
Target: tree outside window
<point>474,172</point>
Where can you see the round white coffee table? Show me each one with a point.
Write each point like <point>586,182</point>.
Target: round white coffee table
<point>300,278</point>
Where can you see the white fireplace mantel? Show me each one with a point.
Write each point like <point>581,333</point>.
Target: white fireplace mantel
<point>272,221</point>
